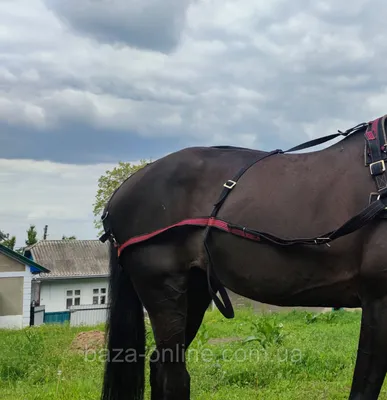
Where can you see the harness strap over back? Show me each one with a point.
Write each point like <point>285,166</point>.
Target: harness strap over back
<point>226,309</point>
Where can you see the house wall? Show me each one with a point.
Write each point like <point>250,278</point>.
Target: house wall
<point>11,296</point>
<point>27,297</point>
<point>15,293</point>
<point>53,293</point>
<point>35,291</point>
<point>8,264</point>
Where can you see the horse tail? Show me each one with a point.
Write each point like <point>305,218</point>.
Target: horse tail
<point>125,333</point>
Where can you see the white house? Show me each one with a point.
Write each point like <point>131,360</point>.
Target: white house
<point>16,273</point>
<point>79,271</point>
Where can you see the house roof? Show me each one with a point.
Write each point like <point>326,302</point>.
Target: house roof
<point>71,258</point>
<point>35,267</point>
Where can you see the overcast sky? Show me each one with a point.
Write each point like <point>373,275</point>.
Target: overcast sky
<point>85,84</point>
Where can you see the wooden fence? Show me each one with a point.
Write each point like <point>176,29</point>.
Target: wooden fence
<point>89,314</point>
<point>37,315</point>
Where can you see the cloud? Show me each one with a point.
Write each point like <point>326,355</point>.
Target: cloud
<point>248,73</point>
<point>144,24</point>
<point>43,192</point>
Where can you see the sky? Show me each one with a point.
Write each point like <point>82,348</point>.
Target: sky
<point>86,84</point>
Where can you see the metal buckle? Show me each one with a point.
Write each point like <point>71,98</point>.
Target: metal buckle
<point>374,194</point>
<point>322,240</point>
<point>377,197</point>
<point>229,184</point>
<point>377,162</point>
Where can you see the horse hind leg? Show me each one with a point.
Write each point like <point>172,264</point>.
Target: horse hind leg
<point>198,300</point>
<point>163,289</point>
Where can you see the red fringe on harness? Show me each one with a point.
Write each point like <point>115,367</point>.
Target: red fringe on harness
<point>211,221</point>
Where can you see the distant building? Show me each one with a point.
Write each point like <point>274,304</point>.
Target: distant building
<point>79,275</point>
<point>16,274</point>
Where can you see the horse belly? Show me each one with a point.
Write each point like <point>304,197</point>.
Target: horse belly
<point>293,276</point>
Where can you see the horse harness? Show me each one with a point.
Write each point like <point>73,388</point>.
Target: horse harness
<point>375,156</point>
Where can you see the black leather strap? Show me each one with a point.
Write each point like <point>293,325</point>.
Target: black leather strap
<point>324,139</point>
<point>376,142</point>
<point>353,224</point>
<point>226,307</point>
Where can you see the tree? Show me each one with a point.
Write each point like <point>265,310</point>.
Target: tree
<point>109,182</point>
<point>10,242</point>
<point>64,237</point>
<point>7,241</point>
<point>31,236</point>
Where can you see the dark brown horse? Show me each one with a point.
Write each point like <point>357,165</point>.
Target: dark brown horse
<point>265,239</point>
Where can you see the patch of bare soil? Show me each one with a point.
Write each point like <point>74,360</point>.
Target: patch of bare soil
<point>88,341</point>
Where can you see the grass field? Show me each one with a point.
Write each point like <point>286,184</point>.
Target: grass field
<point>295,355</point>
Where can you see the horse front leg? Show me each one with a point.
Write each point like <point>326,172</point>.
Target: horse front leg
<point>371,362</point>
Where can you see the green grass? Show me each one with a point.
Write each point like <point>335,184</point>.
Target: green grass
<point>276,356</point>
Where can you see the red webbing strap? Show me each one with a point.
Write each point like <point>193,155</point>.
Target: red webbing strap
<point>209,221</point>
<point>146,236</point>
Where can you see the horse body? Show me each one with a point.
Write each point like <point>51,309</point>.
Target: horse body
<point>296,196</point>
<point>289,195</point>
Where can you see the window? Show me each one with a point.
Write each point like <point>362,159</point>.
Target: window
<point>99,296</point>
<point>73,298</point>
